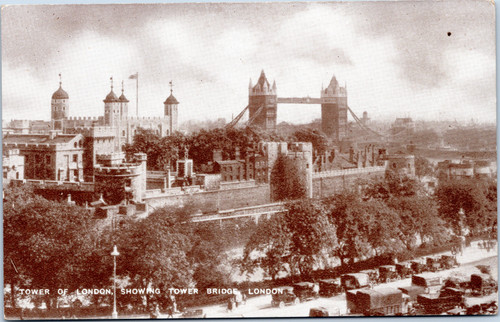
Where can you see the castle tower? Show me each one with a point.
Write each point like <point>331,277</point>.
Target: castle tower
<point>111,108</point>
<point>59,107</point>
<point>123,105</point>
<point>334,110</point>
<point>171,112</point>
<point>262,95</point>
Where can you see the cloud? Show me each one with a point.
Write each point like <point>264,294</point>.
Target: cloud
<point>396,58</point>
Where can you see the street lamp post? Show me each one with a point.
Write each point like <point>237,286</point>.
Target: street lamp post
<point>115,253</point>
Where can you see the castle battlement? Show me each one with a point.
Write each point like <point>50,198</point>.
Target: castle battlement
<point>84,118</point>
<point>58,185</point>
<point>352,171</point>
<point>144,118</point>
<point>124,169</point>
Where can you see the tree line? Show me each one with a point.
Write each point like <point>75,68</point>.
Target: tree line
<point>163,152</point>
<point>54,245</point>
<point>394,215</point>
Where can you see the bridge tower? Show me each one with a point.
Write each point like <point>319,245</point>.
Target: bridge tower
<point>334,110</point>
<point>262,95</point>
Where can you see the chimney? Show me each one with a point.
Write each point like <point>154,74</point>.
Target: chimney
<point>217,155</point>
<point>53,134</point>
<point>237,153</point>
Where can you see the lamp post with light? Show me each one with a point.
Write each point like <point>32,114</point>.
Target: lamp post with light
<point>115,253</point>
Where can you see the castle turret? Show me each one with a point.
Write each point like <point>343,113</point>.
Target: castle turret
<point>262,103</point>
<point>123,104</point>
<point>171,112</point>
<point>111,108</point>
<point>334,110</point>
<point>59,107</point>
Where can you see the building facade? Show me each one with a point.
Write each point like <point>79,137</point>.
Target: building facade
<point>53,156</point>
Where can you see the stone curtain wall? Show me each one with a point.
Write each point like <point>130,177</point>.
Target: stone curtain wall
<point>328,183</point>
<point>211,201</point>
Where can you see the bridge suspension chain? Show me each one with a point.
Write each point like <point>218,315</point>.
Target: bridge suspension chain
<point>363,126</point>
<point>237,118</point>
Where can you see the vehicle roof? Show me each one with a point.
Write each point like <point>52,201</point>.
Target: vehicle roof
<point>304,284</point>
<point>330,280</point>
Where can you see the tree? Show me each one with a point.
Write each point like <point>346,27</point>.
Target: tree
<point>423,167</point>
<point>268,248</point>
<point>48,242</point>
<point>154,252</point>
<point>286,183</point>
<point>473,196</point>
<point>363,227</point>
<point>312,235</point>
<point>317,138</point>
<point>145,141</point>
<point>419,220</point>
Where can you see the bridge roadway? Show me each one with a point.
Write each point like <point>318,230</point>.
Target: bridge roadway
<point>253,211</point>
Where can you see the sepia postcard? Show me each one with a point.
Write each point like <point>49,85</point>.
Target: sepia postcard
<point>249,160</point>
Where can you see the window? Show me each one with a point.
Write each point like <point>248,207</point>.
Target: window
<point>47,159</point>
<point>5,175</point>
<point>75,157</point>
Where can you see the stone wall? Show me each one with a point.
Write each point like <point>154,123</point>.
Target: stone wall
<point>327,183</point>
<point>212,201</point>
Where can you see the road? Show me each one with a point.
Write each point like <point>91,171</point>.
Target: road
<point>260,306</point>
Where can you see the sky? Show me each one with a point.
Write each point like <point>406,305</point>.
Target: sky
<point>428,61</point>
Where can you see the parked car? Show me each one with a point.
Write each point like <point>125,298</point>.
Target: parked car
<point>482,284</point>
<point>306,291</point>
<point>433,264</point>
<point>447,299</point>
<point>330,287</point>
<point>355,280</point>
<point>284,297</point>
<point>373,275</point>
<point>448,261</point>
<point>429,281</point>
<point>417,266</point>
<point>322,311</point>
<point>387,273</point>
<point>404,269</point>
<point>380,302</point>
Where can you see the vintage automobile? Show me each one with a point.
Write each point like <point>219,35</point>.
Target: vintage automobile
<point>485,269</point>
<point>433,264</point>
<point>323,311</point>
<point>404,269</point>
<point>380,302</point>
<point>330,287</point>
<point>284,296</point>
<point>387,273</point>
<point>458,282</point>
<point>192,314</point>
<point>448,261</point>
<point>482,284</point>
<point>306,291</point>
<point>355,280</point>
<point>447,299</point>
<point>417,266</point>
<point>412,291</point>
<point>429,281</point>
<point>373,275</point>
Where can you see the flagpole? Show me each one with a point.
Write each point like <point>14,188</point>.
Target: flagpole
<point>137,95</point>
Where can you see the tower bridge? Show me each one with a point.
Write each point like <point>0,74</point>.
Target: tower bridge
<point>263,107</point>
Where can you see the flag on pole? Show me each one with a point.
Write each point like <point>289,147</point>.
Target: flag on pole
<point>133,76</point>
